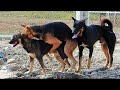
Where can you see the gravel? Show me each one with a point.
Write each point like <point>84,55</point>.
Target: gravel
<point>20,64</point>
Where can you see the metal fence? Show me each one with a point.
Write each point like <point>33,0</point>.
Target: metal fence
<point>96,16</point>
<point>10,21</point>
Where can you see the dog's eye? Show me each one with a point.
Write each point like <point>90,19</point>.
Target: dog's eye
<point>82,27</point>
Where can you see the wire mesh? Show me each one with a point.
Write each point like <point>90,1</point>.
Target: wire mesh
<point>96,17</point>
<point>10,21</point>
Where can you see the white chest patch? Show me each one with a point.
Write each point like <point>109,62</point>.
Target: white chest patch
<point>83,45</point>
<point>35,38</point>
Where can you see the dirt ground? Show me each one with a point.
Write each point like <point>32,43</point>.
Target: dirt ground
<point>17,68</point>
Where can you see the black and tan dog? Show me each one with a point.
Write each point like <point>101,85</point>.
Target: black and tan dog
<point>87,36</point>
<point>37,49</point>
<point>54,33</point>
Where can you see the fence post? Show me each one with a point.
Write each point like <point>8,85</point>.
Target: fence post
<point>80,15</point>
<point>114,18</point>
<point>107,14</point>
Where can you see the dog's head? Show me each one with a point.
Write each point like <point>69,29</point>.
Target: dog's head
<point>30,31</point>
<point>79,27</point>
<point>27,30</point>
<point>16,39</point>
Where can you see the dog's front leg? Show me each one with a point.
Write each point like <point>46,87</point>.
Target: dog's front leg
<point>80,58</point>
<point>31,65</point>
<point>90,55</point>
<point>40,59</point>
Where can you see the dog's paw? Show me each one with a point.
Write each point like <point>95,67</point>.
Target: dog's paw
<point>61,70</point>
<point>69,70</point>
<point>28,72</point>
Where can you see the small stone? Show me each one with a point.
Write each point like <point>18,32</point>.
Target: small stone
<point>10,61</point>
<point>19,74</point>
<point>1,55</point>
<point>1,62</point>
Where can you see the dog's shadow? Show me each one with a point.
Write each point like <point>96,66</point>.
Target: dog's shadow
<point>96,70</point>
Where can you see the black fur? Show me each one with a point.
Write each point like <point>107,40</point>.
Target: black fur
<point>109,36</point>
<point>39,47</point>
<point>93,33</point>
<point>57,29</point>
<point>90,35</point>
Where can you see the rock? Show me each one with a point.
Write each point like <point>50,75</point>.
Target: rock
<point>1,55</point>
<point>34,74</point>
<point>5,60</point>
<point>20,74</point>
<point>59,75</point>
<point>10,61</point>
<point>5,48</point>
<point>1,61</point>
<point>14,67</point>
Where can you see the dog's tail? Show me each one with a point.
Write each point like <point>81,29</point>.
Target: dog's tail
<point>104,21</point>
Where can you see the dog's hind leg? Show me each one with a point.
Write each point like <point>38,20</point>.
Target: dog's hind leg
<point>106,52</point>
<point>67,63</point>
<point>60,60</point>
<point>50,59</point>
<point>111,50</point>
<point>89,59</point>
<point>68,49</point>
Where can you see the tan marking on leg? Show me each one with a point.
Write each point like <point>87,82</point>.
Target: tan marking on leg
<point>110,65</point>
<point>31,64</point>
<point>50,59</point>
<point>106,53</point>
<point>60,60</point>
<point>67,63</point>
<point>80,65</point>
<point>68,49</point>
<point>88,63</point>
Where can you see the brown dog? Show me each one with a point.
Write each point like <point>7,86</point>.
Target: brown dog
<point>54,33</point>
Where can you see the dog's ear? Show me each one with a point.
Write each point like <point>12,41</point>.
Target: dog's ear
<point>84,20</point>
<point>73,19</point>
<point>23,25</point>
<point>27,27</point>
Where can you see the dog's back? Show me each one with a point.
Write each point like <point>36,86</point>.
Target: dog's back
<point>93,33</point>
<point>58,29</point>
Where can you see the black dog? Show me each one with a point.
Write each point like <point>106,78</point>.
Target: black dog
<point>87,36</point>
<point>37,49</point>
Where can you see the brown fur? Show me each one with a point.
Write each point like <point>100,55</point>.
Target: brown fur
<point>50,39</point>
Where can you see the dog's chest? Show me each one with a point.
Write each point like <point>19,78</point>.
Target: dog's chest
<point>83,45</point>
